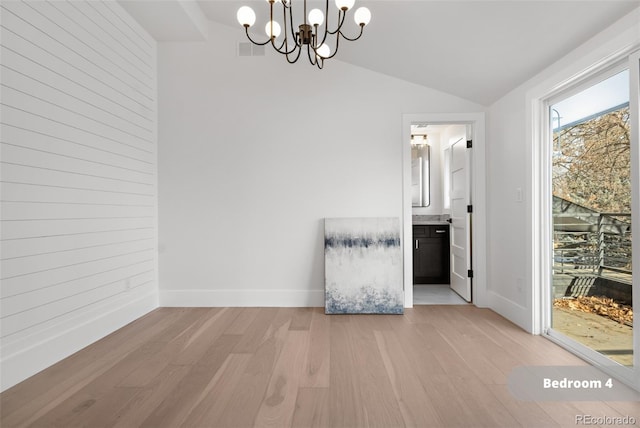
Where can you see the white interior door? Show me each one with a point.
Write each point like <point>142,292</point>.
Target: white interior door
<point>460,219</point>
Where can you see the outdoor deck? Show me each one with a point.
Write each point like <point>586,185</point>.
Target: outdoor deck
<point>592,257</point>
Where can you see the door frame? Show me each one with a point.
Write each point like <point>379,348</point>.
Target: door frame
<point>478,196</point>
<point>541,238</point>
<point>461,282</point>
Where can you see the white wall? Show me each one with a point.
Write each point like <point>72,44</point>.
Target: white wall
<point>79,182</point>
<point>254,153</point>
<point>506,157</point>
<point>513,284</point>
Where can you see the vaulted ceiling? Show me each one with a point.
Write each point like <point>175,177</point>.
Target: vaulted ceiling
<point>478,50</point>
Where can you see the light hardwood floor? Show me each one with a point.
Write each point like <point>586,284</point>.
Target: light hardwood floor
<point>435,366</point>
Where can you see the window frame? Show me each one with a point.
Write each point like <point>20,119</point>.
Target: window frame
<point>542,223</point>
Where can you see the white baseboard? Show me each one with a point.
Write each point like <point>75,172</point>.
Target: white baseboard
<point>242,298</point>
<point>511,310</point>
<point>25,360</point>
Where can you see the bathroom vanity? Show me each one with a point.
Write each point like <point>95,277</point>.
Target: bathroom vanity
<point>431,253</point>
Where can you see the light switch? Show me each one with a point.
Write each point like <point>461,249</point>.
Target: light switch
<point>519,197</point>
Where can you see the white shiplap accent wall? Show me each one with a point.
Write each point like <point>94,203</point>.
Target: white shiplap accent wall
<point>78,178</point>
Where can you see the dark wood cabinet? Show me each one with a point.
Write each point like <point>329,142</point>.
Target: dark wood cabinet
<point>431,254</point>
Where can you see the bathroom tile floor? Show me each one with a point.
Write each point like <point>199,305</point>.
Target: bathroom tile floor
<point>436,294</point>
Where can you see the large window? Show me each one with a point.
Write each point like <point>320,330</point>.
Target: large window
<point>591,208</point>
<point>592,185</point>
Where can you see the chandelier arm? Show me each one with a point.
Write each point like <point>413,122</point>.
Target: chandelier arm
<point>326,15</point>
<point>336,50</point>
<point>341,16</point>
<point>280,50</point>
<point>285,42</point>
<point>314,41</point>
<point>314,46</point>
<point>309,49</point>
<point>355,38</point>
<point>324,37</point>
<point>284,21</point>
<point>246,30</point>
<point>285,51</point>
<point>273,39</point>
<point>293,33</point>
<point>299,49</point>
<point>326,26</point>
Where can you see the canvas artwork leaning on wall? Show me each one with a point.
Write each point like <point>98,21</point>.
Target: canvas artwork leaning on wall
<point>363,266</point>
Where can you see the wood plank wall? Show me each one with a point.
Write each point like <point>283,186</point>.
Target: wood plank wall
<point>78,178</point>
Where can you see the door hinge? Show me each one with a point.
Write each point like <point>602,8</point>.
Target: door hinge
<point>470,273</point>
<point>469,144</point>
<point>469,208</point>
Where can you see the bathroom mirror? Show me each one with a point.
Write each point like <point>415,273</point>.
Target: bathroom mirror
<point>420,171</point>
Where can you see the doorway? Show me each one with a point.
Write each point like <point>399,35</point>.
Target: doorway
<point>591,209</point>
<point>454,193</point>
<point>589,165</point>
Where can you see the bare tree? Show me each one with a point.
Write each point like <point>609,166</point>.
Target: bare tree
<point>592,164</point>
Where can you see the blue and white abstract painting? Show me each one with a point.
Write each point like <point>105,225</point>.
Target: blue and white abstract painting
<point>363,266</point>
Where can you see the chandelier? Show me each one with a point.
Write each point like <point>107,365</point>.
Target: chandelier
<point>309,34</point>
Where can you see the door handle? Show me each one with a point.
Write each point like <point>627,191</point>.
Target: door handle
<point>416,244</point>
<point>441,231</point>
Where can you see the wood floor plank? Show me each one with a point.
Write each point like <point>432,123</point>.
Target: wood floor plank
<point>244,318</point>
<point>562,412</point>
<point>256,330</point>
<point>312,408</point>
<point>345,400</point>
<point>101,388</point>
<point>214,397</point>
<point>421,354</point>
<point>527,413</point>
<point>301,319</point>
<point>469,345</point>
<point>627,408</point>
<point>218,351</point>
<point>450,406</point>
<point>598,408</point>
<point>176,343</point>
<point>178,402</point>
<point>146,399</point>
<point>379,407</point>
<point>526,348</point>
<point>86,410</point>
<point>56,384</point>
<point>318,360</point>
<point>280,399</point>
<point>244,367</point>
<point>202,336</point>
<point>245,397</point>
<point>416,408</point>
<point>184,318</point>
<point>480,403</point>
<point>423,358</point>
<point>448,358</point>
